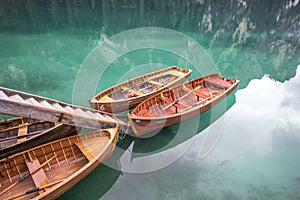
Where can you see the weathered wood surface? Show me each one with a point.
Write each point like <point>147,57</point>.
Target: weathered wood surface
<point>17,103</point>
<point>11,147</point>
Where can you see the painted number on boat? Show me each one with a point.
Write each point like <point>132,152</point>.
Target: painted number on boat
<point>102,108</point>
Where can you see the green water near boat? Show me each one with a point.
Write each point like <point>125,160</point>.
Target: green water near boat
<point>247,147</point>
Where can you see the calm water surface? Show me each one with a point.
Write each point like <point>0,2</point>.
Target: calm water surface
<point>247,147</point>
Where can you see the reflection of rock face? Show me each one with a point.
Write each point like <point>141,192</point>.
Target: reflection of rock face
<point>242,36</point>
<point>14,75</point>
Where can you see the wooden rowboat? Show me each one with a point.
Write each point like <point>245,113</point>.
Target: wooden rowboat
<point>47,171</point>
<point>16,121</point>
<point>128,94</point>
<point>180,103</point>
<point>19,134</point>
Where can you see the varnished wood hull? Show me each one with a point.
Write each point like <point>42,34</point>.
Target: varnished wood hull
<point>65,163</point>
<point>142,126</point>
<point>78,176</point>
<point>37,133</point>
<point>57,132</point>
<point>115,106</point>
<point>13,122</point>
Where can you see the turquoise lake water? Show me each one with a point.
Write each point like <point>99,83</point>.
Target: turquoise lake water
<point>247,147</point>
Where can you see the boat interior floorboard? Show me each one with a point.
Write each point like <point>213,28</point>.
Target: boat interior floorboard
<point>63,172</point>
<point>23,186</point>
<point>54,174</point>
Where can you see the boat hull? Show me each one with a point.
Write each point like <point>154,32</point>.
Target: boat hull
<point>78,176</point>
<point>61,163</point>
<point>74,179</point>
<point>57,132</point>
<point>13,122</point>
<point>116,106</point>
<point>142,126</point>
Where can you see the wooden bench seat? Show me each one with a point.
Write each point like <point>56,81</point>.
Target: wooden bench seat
<point>39,177</point>
<point>224,85</point>
<point>171,102</point>
<point>105,98</point>
<point>23,130</point>
<point>156,83</point>
<point>132,91</point>
<point>202,95</point>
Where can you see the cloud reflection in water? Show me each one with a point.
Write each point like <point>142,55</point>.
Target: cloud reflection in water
<point>257,156</point>
<point>265,111</point>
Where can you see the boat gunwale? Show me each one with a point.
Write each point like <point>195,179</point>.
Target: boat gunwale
<point>103,93</point>
<point>112,140</point>
<point>215,98</point>
<point>31,136</point>
<point>52,142</point>
<point>25,124</point>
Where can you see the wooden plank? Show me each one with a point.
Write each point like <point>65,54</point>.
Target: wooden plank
<point>17,97</point>
<point>172,103</point>
<point>26,185</point>
<point>156,83</point>
<point>109,118</point>
<point>70,115</point>
<point>99,116</point>
<point>132,91</point>
<point>46,104</point>
<point>33,191</point>
<point>58,107</point>
<point>174,72</point>
<point>200,94</point>
<point>22,131</point>
<point>33,101</point>
<point>69,109</point>
<point>81,112</point>
<point>105,98</point>
<point>3,95</point>
<point>14,108</point>
<point>39,177</point>
<point>89,113</point>
<point>218,85</point>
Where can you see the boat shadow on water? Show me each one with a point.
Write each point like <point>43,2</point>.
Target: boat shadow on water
<point>104,176</point>
<point>176,134</point>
